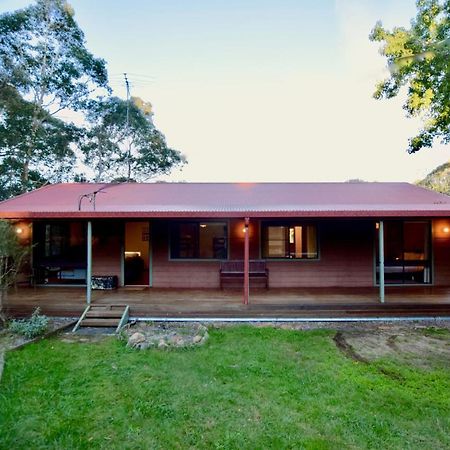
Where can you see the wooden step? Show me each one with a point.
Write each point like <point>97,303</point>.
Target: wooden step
<point>93,314</point>
<point>104,316</point>
<point>99,322</point>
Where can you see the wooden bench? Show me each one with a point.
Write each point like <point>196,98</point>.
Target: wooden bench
<point>232,274</point>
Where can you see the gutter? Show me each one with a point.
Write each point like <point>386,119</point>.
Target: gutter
<point>288,319</point>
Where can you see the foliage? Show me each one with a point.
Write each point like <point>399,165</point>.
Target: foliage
<point>438,180</point>
<point>45,68</point>
<point>12,255</point>
<point>419,58</point>
<point>123,143</point>
<point>31,327</point>
<point>52,157</point>
<point>247,387</point>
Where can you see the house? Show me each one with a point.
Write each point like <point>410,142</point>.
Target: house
<point>180,235</point>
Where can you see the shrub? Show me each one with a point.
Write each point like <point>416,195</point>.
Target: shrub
<point>31,327</point>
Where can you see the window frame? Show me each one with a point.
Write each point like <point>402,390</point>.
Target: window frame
<point>289,223</point>
<point>171,224</point>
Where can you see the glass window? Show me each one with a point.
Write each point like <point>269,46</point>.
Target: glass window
<point>59,252</point>
<point>289,240</point>
<point>198,240</point>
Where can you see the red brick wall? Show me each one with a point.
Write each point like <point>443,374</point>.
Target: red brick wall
<point>346,256</point>
<point>178,273</point>
<point>345,259</point>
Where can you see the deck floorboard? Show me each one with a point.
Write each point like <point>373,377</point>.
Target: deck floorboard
<point>411,301</point>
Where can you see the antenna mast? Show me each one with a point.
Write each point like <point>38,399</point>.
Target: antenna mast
<point>127,85</point>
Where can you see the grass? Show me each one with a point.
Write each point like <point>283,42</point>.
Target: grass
<point>254,388</point>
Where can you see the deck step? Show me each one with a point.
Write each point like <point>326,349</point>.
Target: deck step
<point>104,316</point>
<point>99,322</point>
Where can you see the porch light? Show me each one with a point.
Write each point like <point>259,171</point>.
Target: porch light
<point>377,225</point>
<point>19,230</point>
<point>203,225</point>
<point>446,229</point>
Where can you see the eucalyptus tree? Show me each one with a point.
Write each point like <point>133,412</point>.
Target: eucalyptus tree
<point>122,143</point>
<point>44,59</point>
<point>52,157</point>
<point>419,59</point>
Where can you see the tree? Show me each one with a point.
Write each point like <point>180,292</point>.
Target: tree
<point>419,58</point>
<point>44,58</point>
<point>122,143</point>
<point>52,157</point>
<point>12,255</point>
<point>438,179</point>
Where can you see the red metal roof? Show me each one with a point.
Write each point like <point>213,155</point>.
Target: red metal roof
<point>228,200</point>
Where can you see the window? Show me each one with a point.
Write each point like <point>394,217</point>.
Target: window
<point>406,252</point>
<point>289,240</point>
<point>198,240</point>
<point>59,252</point>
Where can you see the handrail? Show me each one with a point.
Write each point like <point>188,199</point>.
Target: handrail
<point>124,318</point>
<point>77,325</point>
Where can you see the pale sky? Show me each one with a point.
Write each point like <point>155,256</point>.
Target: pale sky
<point>261,90</point>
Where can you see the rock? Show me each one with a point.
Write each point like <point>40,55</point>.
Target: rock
<point>162,344</point>
<point>174,339</point>
<point>143,345</point>
<point>197,339</point>
<point>136,338</point>
<point>180,342</point>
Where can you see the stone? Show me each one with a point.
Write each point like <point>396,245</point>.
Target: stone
<point>162,344</point>
<point>136,338</point>
<point>197,339</point>
<point>174,339</point>
<point>143,345</point>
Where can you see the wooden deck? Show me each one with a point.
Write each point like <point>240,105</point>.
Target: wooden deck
<point>273,303</point>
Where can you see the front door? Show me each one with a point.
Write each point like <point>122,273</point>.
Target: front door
<point>136,256</point>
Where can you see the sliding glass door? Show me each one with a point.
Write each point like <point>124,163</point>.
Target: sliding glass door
<point>407,252</point>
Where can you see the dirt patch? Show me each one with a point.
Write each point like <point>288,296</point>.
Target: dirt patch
<point>420,346</point>
<point>346,348</point>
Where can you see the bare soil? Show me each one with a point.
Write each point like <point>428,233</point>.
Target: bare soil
<point>423,347</point>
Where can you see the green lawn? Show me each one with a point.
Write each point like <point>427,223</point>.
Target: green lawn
<point>254,388</point>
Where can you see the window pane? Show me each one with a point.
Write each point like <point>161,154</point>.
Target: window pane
<point>184,240</point>
<point>290,241</point>
<point>276,242</point>
<point>311,242</point>
<point>213,241</point>
<point>204,240</point>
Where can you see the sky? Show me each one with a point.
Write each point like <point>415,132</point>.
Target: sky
<point>262,90</point>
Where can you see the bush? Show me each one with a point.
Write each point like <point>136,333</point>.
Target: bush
<point>32,327</point>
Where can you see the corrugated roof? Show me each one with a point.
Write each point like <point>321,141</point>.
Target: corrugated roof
<point>228,200</point>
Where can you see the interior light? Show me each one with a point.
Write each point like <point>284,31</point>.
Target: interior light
<point>446,229</point>
<point>19,230</point>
